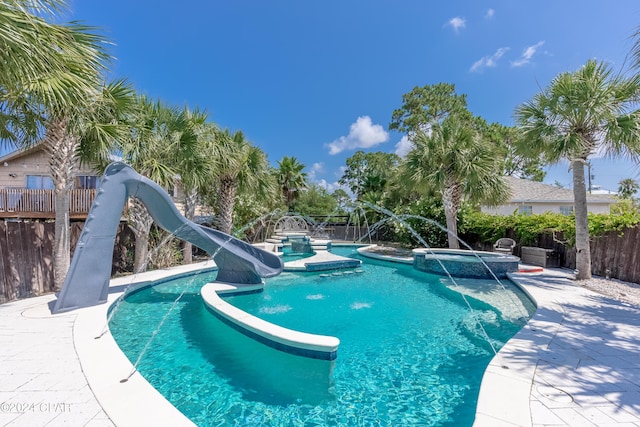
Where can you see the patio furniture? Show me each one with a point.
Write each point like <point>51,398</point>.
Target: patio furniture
<point>504,245</point>
<point>546,258</point>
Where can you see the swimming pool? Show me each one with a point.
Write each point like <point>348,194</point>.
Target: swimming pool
<point>411,351</point>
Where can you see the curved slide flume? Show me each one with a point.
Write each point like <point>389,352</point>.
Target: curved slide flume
<point>87,282</point>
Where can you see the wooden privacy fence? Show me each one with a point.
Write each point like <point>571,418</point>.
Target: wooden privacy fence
<point>26,260</point>
<point>616,256</point>
<point>26,256</point>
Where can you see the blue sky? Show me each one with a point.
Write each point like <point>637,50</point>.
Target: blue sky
<point>319,80</point>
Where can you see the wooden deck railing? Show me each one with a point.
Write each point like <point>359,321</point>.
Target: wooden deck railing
<point>27,203</point>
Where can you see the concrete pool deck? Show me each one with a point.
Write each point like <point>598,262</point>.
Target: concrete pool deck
<point>575,363</point>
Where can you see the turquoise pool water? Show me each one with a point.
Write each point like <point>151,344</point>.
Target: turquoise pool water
<point>411,351</point>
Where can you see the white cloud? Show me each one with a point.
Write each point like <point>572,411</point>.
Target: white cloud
<point>329,186</point>
<point>318,168</point>
<point>527,54</point>
<point>489,61</point>
<point>315,168</point>
<point>403,146</point>
<point>490,13</point>
<point>457,23</point>
<point>362,134</point>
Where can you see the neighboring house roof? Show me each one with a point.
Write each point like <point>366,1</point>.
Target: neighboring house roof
<point>25,152</point>
<point>21,152</point>
<point>14,155</point>
<point>525,191</point>
<point>599,189</point>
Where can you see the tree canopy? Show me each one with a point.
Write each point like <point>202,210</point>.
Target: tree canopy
<point>368,172</point>
<point>426,105</point>
<point>291,179</point>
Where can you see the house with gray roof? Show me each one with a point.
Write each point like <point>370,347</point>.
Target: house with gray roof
<point>530,197</point>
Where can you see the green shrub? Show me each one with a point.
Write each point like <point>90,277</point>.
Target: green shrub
<point>526,228</point>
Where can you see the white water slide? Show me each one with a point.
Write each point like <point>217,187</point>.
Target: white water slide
<point>87,282</point>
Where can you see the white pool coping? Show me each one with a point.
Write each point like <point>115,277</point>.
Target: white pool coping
<point>575,363</point>
<point>105,365</point>
<point>55,366</point>
<point>319,257</point>
<point>291,339</point>
<point>369,252</point>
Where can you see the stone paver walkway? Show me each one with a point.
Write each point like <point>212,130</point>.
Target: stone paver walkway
<point>576,363</point>
<point>41,380</point>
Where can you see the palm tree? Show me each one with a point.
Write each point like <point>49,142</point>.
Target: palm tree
<point>635,49</point>
<point>45,67</point>
<point>168,144</point>
<point>193,148</point>
<point>454,161</point>
<point>576,115</point>
<point>243,167</point>
<point>627,188</point>
<point>147,150</point>
<point>51,84</point>
<point>291,179</point>
<point>86,132</point>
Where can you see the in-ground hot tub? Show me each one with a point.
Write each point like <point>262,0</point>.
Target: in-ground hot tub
<point>461,263</point>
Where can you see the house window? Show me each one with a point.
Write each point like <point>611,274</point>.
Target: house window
<point>86,182</point>
<point>39,182</point>
<point>525,210</point>
<point>566,210</point>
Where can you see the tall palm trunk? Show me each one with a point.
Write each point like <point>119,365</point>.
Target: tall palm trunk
<point>289,196</point>
<point>583,251</point>
<point>190,200</point>
<point>61,148</point>
<point>451,198</point>
<point>226,202</point>
<point>140,222</point>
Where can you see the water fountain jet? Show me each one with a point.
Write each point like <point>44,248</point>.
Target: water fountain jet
<point>402,219</point>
